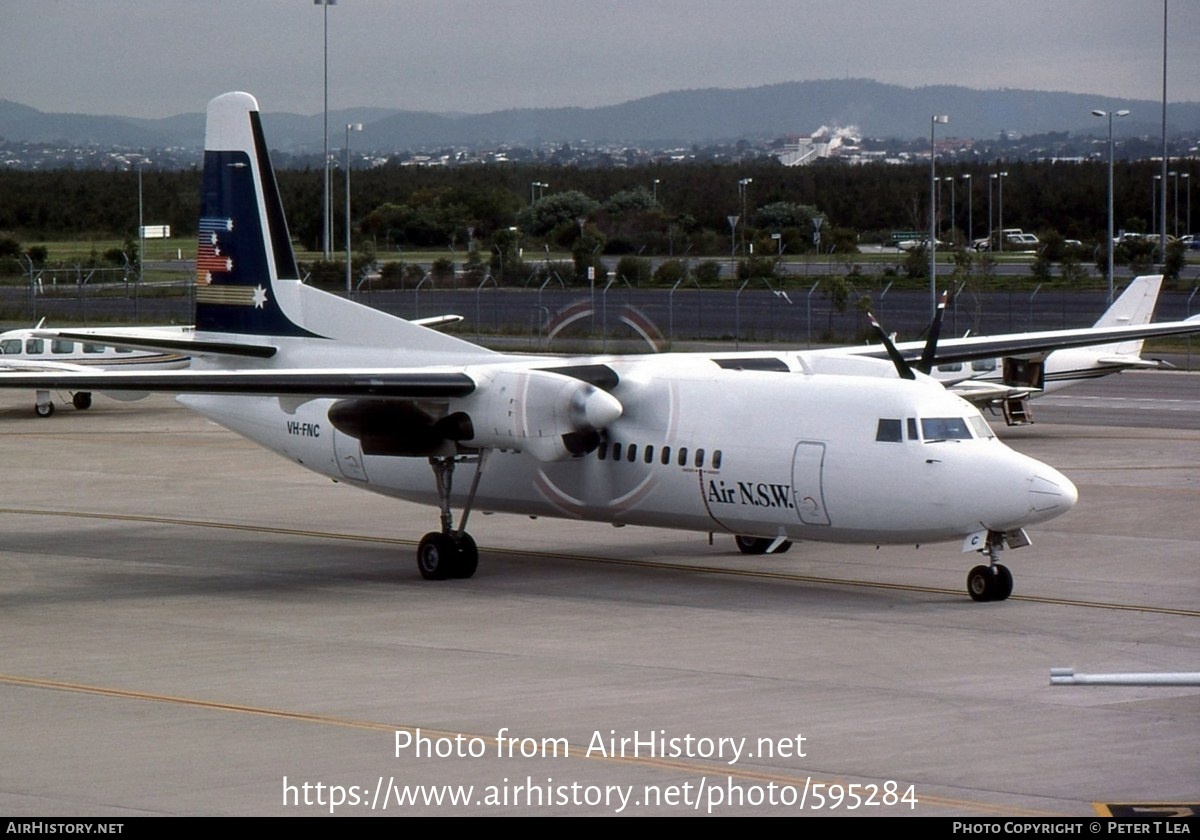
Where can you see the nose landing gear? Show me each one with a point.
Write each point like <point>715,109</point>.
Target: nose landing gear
<point>993,582</point>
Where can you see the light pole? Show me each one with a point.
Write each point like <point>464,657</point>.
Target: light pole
<point>326,222</point>
<point>1110,115</point>
<point>1187,192</point>
<point>933,123</point>
<point>991,230</point>
<point>1175,227</point>
<point>540,190</point>
<point>349,127</point>
<point>970,209</point>
<point>1000,208</point>
<point>1154,205</point>
<point>656,182</point>
<point>742,185</point>
<point>950,180</point>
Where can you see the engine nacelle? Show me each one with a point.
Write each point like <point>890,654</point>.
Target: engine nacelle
<point>550,416</point>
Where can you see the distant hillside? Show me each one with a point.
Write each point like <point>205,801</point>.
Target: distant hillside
<point>676,118</point>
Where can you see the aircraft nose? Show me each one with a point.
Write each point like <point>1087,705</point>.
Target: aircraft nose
<point>1051,493</point>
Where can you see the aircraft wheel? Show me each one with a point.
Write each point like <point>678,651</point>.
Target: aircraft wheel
<point>1003,583</point>
<point>752,545</point>
<point>467,559</point>
<point>436,556</point>
<point>981,584</point>
<point>43,409</point>
<point>82,400</point>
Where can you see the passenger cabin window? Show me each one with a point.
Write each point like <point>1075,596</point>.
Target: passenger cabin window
<point>683,456</point>
<point>617,451</point>
<point>888,431</point>
<point>631,456</point>
<point>699,458</point>
<point>11,347</point>
<point>35,346</point>
<point>666,456</point>
<point>983,364</point>
<point>716,465</point>
<point>945,428</point>
<point>93,348</point>
<point>602,450</point>
<point>61,346</point>
<point>950,367</point>
<point>648,455</point>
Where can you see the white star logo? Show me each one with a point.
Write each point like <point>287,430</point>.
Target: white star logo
<point>260,297</point>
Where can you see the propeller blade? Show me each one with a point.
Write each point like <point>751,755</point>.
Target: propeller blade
<point>935,330</point>
<point>902,367</point>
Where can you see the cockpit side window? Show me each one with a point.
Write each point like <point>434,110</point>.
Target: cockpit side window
<point>889,431</point>
<point>981,428</point>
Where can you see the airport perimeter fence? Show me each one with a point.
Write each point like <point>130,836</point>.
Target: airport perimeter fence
<point>624,318</point>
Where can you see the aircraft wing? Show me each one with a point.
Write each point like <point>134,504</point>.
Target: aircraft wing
<point>1034,344</point>
<point>292,382</point>
<point>175,340</point>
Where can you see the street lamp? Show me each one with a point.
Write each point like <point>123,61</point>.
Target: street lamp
<point>1175,176</point>
<point>541,190</point>
<point>950,180</point>
<point>970,209</point>
<point>656,182</point>
<point>326,225</point>
<point>1187,192</point>
<point>742,185</point>
<point>349,127</point>
<point>1000,208</point>
<point>1110,115</point>
<point>933,123</point>
<point>1154,206</point>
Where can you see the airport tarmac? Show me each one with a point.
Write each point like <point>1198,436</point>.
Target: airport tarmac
<point>190,625</point>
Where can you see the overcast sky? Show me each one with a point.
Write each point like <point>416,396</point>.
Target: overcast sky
<point>157,58</point>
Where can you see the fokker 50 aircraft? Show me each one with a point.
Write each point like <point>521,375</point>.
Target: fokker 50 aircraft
<point>770,446</point>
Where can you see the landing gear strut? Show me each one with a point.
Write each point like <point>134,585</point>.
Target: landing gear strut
<point>451,552</point>
<point>993,582</point>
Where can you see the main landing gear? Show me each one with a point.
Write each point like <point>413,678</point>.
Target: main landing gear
<point>451,552</point>
<point>993,582</point>
<point>761,545</point>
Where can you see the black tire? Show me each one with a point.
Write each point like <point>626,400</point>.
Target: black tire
<point>437,556</point>
<point>43,409</point>
<point>759,545</point>
<point>1003,583</point>
<point>466,560</point>
<point>82,400</point>
<point>752,545</point>
<point>981,583</point>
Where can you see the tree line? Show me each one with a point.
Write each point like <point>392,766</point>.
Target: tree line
<point>500,213</point>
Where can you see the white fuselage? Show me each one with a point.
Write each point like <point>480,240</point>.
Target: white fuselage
<point>699,447</point>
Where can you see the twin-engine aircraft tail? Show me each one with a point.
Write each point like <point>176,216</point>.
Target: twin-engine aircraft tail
<point>248,283</point>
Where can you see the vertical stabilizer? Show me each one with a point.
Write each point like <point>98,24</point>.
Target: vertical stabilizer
<point>1135,306</point>
<point>244,249</point>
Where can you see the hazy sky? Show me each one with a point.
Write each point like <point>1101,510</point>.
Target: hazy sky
<point>157,58</point>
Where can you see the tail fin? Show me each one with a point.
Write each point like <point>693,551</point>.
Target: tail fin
<point>244,249</point>
<point>1134,306</point>
<point>247,279</point>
